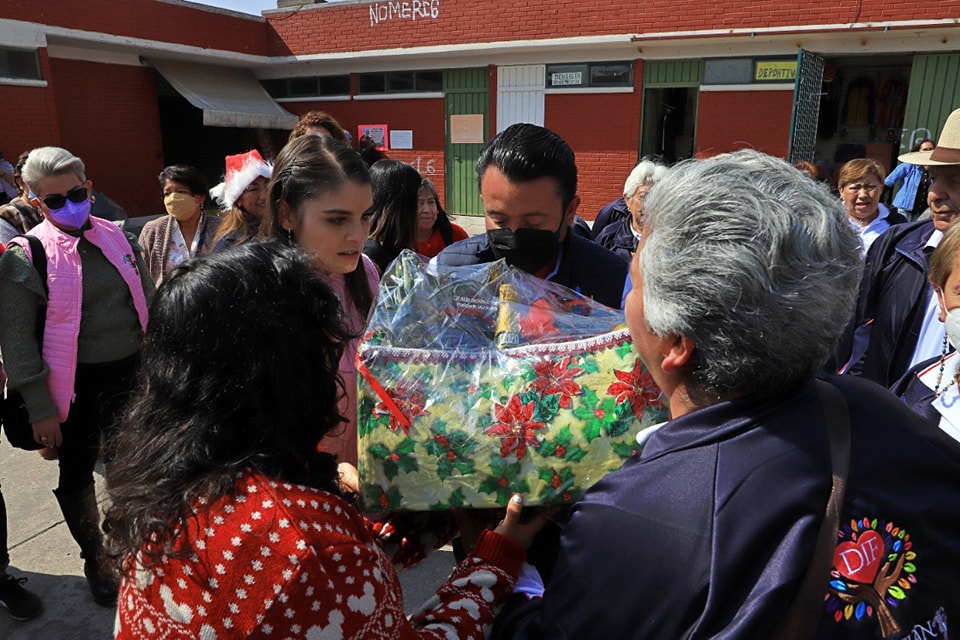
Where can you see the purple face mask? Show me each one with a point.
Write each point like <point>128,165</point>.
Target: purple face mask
<point>72,215</point>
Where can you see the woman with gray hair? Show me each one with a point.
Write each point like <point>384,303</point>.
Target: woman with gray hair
<point>622,236</point>
<point>719,523</point>
<point>93,302</point>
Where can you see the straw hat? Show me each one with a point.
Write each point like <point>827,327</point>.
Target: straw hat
<point>241,170</point>
<point>948,146</point>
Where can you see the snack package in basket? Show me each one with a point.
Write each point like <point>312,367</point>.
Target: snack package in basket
<point>483,381</point>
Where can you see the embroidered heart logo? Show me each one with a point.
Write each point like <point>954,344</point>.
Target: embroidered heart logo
<point>859,561</point>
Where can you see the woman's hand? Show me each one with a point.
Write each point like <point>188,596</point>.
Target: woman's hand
<point>472,522</point>
<point>523,532</point>
<point>349,478</point>
<point>47,433</point>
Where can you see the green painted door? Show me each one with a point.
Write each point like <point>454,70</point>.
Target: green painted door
<point>934,92</point>
<point>671,96</point>
<point>467,99</point>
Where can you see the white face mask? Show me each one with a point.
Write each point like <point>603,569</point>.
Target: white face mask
<point>952,324</point>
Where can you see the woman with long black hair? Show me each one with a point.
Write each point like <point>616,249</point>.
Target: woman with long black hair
<point>225,519</point>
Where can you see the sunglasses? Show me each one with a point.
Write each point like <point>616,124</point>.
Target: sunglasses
<point>57,201</point>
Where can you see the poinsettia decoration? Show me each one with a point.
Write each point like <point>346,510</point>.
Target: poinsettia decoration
<point>546,423</point>
<point>557,378</point>
<point>636,388</point>
<point>515,427</point>
<point>407,404</point>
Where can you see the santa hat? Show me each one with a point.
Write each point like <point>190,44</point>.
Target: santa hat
<point>242,169</point>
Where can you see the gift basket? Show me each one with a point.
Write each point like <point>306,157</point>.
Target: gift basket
<point>483,381</point>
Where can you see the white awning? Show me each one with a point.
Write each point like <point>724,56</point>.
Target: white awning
<point>229,97</point>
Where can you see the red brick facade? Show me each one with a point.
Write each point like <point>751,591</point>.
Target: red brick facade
<point>29,115</point>
<point>721,130</point>
<point>190,25</point>
<point>347,27</point>
<point>605,145</point>
<point>108,116</point>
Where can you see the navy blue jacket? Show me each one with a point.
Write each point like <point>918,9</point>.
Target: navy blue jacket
<point>915,394</point>
<point>708,531</point>
<point>619,238</point>
<point>893,295</point>
<point>585,266</point>
<point>610,213</point>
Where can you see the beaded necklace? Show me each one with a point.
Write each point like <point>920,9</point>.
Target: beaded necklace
<point>937,391</point>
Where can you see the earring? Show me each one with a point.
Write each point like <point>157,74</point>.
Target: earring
<point>93,198</point>
<point>290,237</point>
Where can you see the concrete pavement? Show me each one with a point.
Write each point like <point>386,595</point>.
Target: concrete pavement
<point>42,550</point>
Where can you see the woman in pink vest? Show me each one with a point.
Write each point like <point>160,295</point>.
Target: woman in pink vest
<point>94,301</point>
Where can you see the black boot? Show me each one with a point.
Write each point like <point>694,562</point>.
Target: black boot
<point>83,520</point>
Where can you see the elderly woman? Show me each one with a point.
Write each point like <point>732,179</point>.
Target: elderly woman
<point>225,521</point>
<point>186,232</point>
<point>622,236</point>
<point>930,388</point>
<point>242,197</point>
<point>861,184</point>
<point>719,524</point>
<point>94,304</point>
<point>435,230</point>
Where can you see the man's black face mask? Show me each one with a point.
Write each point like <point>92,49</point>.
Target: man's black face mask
<point>526,249</point>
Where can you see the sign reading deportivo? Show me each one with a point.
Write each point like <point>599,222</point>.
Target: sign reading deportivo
<point>775,71</point>
<point>406,10</point>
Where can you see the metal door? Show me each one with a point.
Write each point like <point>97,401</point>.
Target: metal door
<point>807,90</point>
<point>466,93</point>
<point>520,95</point>
<point>933,93</point>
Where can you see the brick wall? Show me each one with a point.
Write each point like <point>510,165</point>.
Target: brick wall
<point>29,116</point>
<point>603,129</point>
<point>372,25</point>
<point>182,23</point>
<point>424,116</point>
<point>719,129</point>
<point>108,116</point>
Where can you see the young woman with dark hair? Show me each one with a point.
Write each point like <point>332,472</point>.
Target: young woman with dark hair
<point>320,198</point>
<point>225,521</point>
<point>396,187</point>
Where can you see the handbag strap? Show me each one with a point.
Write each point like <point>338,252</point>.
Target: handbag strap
<point>801,620</point>
<point>39,259</point>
